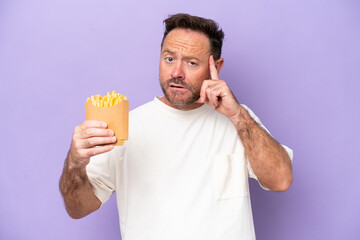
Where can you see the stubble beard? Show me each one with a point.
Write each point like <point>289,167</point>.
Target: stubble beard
<point>175,98</point>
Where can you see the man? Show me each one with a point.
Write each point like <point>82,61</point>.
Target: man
<point>183,173</point>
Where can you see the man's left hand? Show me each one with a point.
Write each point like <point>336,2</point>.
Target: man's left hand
<point>218,95</point>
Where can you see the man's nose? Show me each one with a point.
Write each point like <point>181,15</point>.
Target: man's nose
<point>177,71</point>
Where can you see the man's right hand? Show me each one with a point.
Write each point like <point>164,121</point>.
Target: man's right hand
<point>90,138</point>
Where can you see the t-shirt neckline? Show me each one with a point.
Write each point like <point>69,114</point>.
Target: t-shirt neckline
<point>180,113</point>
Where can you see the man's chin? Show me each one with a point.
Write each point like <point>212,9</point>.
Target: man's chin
<point>181,100</point>
<point>181,103</point>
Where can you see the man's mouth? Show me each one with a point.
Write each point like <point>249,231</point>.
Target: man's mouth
<point>176,86</point>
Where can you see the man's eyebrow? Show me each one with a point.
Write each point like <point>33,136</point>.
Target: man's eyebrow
<point>167,51</point>
<point>191,58</point>
<point>174,53</point>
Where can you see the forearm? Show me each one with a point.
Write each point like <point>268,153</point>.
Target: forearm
<point>269,160</point>
<point>77,192</point>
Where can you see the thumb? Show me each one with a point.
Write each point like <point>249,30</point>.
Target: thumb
<point>200,100</point>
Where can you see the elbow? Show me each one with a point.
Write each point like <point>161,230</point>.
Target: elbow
<point>284,184</point>
<point>285,179</point>
<point>75,214</point>
<point>78,210</point>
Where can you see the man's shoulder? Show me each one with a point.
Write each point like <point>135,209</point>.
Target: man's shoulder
<point>142,108</point>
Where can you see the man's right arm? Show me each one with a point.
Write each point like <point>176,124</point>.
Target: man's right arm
<point>90,138</point>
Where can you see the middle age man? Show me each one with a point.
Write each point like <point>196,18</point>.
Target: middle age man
<point>183,173</point>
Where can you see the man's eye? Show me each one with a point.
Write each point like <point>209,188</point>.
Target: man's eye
<point>169,59</point>
<point>192,63</point>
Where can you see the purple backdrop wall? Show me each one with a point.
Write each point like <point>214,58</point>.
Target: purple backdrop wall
<point>296,64</point>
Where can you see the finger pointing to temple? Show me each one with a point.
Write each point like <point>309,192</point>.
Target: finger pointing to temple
<point>213,71</point>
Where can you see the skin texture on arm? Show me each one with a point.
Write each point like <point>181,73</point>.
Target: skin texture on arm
<point>269,160</point>
<point>77,192</point>
<point>90,138</point>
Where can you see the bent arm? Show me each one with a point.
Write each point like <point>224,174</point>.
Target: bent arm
<point>269,160</point>
<point>77,192</point>
<point>90,138</point>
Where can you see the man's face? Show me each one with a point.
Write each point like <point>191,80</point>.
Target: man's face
<point>184,65</point>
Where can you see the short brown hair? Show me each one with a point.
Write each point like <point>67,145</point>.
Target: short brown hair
<point>207,26</point>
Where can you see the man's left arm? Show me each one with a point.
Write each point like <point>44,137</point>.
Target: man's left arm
<point>269,160</point>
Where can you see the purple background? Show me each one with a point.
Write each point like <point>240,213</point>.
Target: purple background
<point>296,65</point>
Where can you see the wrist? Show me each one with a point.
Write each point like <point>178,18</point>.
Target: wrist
<point>75,165</point>
<point>71,178</point>
<point>241,119</point>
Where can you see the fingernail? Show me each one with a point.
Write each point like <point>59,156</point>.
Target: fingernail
<point>111,133</point>
<point>103,124</point>
<point>113,139</point>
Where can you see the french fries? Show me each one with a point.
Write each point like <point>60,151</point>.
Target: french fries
<point>113,108</point>
<point>110,99</point>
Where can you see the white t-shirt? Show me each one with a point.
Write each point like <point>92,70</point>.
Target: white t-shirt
<point>181,175</point>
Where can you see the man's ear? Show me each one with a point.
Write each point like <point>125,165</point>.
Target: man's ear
<point>219,64</point>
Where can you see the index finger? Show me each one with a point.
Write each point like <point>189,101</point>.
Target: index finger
<point>93,124</point>
<point>213,72</point>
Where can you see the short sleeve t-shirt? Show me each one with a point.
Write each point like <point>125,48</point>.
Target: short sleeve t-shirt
<point>181,175</point>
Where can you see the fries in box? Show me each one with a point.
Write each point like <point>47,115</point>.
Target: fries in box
<point>113,109</point>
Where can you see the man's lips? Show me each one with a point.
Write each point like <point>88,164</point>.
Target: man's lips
<point>177,86</point>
